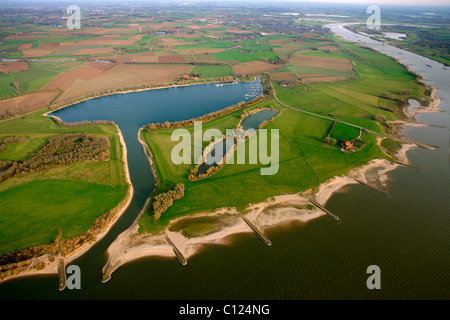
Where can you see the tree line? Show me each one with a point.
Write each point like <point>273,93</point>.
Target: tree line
<point>82,123</point>
<point>59,150</point>
<point>164,201</point>
<point>204,118</point>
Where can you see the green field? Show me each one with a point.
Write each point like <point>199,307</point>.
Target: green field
<point>357,100</point>
<point>213,71</point>
<point>65,199</point>
<point>22,150</point>
<point>248,52</point>
<point>36,43</point>
<point>305,161</point>
<point>6,85</point>
<point>33,79</point>
<point>35,212</point>
<point>60,66</point>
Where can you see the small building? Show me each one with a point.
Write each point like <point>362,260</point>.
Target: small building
<point>347,145</point>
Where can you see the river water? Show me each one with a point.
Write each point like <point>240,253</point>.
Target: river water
<point>406,234</point>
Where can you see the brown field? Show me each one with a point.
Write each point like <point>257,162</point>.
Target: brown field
<point>173,42</point>
<point>189,58</point>
<point>204,57</point>
<point>255,67</point>
<point>48,44</point>
<point>235,30</point>
<point>25,36</point>
<point>124,58</point>
<point>283,76</point>
<point>144,58</point>
<point>63,81</point>
<point>36,53</point>
<point>14,66</point>
<point>287,47</point>
<point>329,47</point>
<point>27,103</point>
<point>160,25</point>
<point>311,34</point>
<point>62,49</point>
<point>108,40</point>
<point>206,26</point>
<point>25,46</point>
<point>317,78</point>
<point>174,58</point>
<point>277,42</point>
<point>322,62</point>
<point>102,66</point>
<point>126,75</point>
<point>95,51</point>
<point>86,73</point>
<point>99,30</point>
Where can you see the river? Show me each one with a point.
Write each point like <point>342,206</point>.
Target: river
<point>406,234</point>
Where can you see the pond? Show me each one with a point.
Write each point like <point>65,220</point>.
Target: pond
<point>251,121</point>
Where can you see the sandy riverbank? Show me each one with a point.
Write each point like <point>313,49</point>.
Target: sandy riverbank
<point>415,107</point>
<point>120,209</point>
<point>274,212</point>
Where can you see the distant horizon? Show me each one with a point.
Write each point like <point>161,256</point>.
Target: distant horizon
<point>411,3</point>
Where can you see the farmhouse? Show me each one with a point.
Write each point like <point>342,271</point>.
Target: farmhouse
<point>347,145</point>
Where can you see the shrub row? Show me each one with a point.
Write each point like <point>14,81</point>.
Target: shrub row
<point>164,201</point>
<point>59,150</point>
<point>210,116</point>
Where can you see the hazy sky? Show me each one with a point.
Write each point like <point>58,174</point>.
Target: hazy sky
<point>392,2</point>
<point>386,2</point>
<point>368,2</point>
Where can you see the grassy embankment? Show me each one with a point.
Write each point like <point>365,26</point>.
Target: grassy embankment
<point>305,160</point>
<point>66,199</point>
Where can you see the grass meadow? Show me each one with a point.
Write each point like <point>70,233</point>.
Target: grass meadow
<point>66,199</point>
<point>213,71</point>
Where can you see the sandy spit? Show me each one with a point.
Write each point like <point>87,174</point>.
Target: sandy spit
<point>432,107</point>
<point>275,211</point>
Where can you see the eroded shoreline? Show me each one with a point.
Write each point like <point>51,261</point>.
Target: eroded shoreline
<point>274,212</point>
<point>130,245</point>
